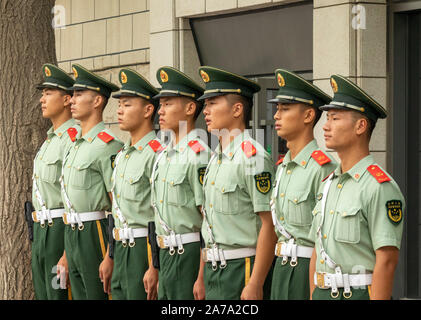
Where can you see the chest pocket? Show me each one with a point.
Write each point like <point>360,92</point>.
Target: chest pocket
<point>226,198</point>
<point>135,185</point>
<point>82,176</point>
<point>299,208</point>
<point>177,186</point>
<point>347,225</point>
<point>48,169</point>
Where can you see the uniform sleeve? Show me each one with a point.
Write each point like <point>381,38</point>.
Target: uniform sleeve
<point>385,215</point>
<point>259,179</point>
<point>106,162</point>
<point>196,173</point>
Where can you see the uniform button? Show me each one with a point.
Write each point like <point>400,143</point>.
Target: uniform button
<point>163,179</point>
<point>213,182</point>
<point>219,161</point>
<point>223,189</point>
<point>344,214</point>
<point>68,166</point>
<point>172,183</point>
<point>303,163</point>
<point>161,201</point>
<point>281,218</point>
<point>331,211</point>
<point>59,134</point>
<point>289,172</point>
<point>78,168</point>
<point>118,196</point>
<point>295,200</point>
<point>90,139</point>
<point>48,140</point>
<point>140,148</point>
<point>339,186</point>
<point>322,261</point>
<point>40,158</point>
<point>127,156</point>
<point>131,180</point>
<point>122,175</point>
<point>324,236</point>
<point>282,195</point>
<point>181,149</point>
<point>210,205</point>
<point>230,154</point>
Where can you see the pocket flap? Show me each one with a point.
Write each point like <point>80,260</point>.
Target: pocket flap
<point>298,196</point>
<point>228,188</point>
<point>133,177</point>
<point>349,212</point>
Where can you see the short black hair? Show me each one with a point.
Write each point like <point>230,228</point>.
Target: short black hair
<point>247,103</point>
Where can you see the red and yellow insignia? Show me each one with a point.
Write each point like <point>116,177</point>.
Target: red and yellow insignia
<point>334,85</point>
<point>204,76</point>
<point>105,137</point>
<point>75,72</point>
<point>280,161</point>
<point>155,145</point>
<point>320,157</point>
<point>72,132</point>
<point>164,76</point>
<point>281,80</point>
<point>378,173</point>
<point>248,148</point>
<point>123,77</point>
<point>47,71</point>
<point>195,146</point>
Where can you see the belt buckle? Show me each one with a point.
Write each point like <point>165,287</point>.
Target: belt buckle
<point>321,280</point>
<point>116,234</point>
<point>34,216</point>
<point>161,242</point>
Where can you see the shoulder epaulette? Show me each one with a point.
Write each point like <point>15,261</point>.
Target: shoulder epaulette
<point>248,148</point>
<point>320,157</point>
<point>378,173</point>
<point>105,137</point>
<point>155,145</point>
<point>195,146</point>
<point>72,132</point>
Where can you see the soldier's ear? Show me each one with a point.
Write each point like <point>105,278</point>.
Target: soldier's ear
<point>237,109</point>
<point>149,109</point>
<point>67,98</point>
<point>309,115</point>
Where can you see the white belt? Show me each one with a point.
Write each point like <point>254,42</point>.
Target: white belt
<point>177,240</point>
<point>78,218</point>
<point>124,234</point>
<point>290,249</point>
<point>41,216</point>
<point>332,280</point>
<point>215,254</point>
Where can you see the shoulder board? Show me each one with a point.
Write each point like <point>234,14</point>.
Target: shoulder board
<point>327,176</point>
<point>248,148</point>
<point>155,145</point>
<point>105,137</point>
<point>378,173</point>
<point>72,132</point>
<point>280,161</point>
<point>196,146</point>
<point>320,157</point>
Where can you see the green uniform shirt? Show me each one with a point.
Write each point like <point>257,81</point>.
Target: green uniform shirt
<point>88,169</point>
<point>236,187</point>
<point>361,216</point>
<point>132,183</point>
<point>178,185</point>
<point>297,192</point>
<point>48,162</point>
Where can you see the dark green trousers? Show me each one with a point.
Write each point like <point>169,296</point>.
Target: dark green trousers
<point>47,249</point>
<point>130,265</point>
<point>85,250</point>
<point>291,283</point>
<point>178,273</point>
<point>357,294</point>
<point>228,283</point>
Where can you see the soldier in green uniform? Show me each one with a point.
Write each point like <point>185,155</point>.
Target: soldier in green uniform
<point>298,178</point>
<point>48,243</point>
<point>131,190</point>
<point>85,186</point>
<point>177,185</point>
<point>357,224</point>
<point>237,228</point>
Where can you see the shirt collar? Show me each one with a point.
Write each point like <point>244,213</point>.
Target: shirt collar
<point>141,144</point>
<point>234,145</point>
<point>62,129</point>
<point>357,171</point>
<point>182,145</point>
<point>303,156</point>
<point>91,135</point>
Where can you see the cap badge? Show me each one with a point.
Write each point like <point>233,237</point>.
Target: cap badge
<point>75,72</point>
<point>164,76</point>
<point>123,77</point>
<point>334,85</point>
<point>204,76</point>
<point>281,80</point>
<point>47,72</point>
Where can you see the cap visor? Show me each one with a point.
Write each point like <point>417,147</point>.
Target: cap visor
<point>333,106</point>
<point>124,94</point>
<point>211,95</point>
